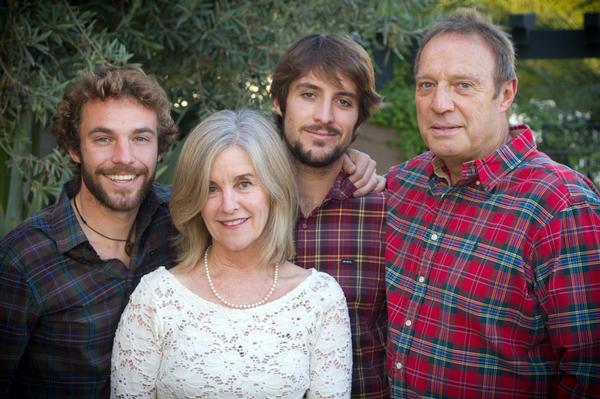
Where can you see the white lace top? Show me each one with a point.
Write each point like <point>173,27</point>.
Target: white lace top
<point>171,343</point>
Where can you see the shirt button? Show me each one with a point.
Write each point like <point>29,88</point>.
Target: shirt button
<point>421,279</point>
<point>398,365</point>
<point>408,323</point>
<point>434,237</point>
<point>304,226</point>
<point>477,183</point>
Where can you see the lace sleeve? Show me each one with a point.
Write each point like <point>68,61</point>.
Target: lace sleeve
<point>136,350</point>
<point>331,357</point>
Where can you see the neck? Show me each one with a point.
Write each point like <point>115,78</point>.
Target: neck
<point>234,262</point>
<point>112,223</point>
<point>502,138</point>
<point>315,183</point>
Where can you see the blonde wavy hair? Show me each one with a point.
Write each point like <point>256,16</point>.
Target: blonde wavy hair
<point>257,136</point>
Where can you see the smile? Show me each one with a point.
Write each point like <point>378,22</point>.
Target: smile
<point>119,178</point>
<point>235,222</point>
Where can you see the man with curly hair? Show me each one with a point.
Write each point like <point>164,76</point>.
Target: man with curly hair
<point>67,273</point>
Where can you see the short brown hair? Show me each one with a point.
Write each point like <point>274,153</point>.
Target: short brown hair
<point>112,82</point>
<point>327,55</point>
<point>470,22</point>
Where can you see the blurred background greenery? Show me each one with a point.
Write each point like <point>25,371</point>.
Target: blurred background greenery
<point>214,54</point>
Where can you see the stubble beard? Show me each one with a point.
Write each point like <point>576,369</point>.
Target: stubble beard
<point>306,157</point>
<point>121,203</point>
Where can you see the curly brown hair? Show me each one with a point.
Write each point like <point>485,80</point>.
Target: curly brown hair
<point>112,82</point>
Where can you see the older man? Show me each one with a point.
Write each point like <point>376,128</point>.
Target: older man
<point>493,249</point>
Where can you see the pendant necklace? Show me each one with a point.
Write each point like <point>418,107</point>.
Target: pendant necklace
<point>128,242</point>
<point>233,305</point>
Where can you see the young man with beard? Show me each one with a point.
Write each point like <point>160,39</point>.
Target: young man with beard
<point>323,89</point>
<point>66,273</point>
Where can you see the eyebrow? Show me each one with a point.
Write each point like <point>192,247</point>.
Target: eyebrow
<point>451,77</point>
<point>101,129</point>
<point>313,86</point>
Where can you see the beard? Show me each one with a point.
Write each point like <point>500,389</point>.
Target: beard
<point>306,156</point>
<point>118,202</point>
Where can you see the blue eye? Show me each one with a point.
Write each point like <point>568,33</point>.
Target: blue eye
<point>102,139</point>
<point>345,103</point>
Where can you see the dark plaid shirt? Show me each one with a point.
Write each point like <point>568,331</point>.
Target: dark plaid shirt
<point>493,282</point>
<point>345,237</point>
<point>60,303</point>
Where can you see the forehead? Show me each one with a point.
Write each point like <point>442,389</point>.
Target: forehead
<point>457,54</point>
<point>320,79</point>
<point>117,113</point>
<point>231,161</point>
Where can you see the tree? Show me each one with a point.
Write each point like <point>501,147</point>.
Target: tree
<point>208,54</point>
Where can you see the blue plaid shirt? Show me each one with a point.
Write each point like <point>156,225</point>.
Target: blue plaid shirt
<point>60,303</point>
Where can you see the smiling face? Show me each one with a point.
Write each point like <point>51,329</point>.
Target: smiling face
<point>459,116</point>
<point>320,119</point>
<point>118,152</point>
<point>237,208</point>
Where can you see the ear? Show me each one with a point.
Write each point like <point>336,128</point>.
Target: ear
<point>508,92</point>
<point>277,107</point>
<point>74,155</point>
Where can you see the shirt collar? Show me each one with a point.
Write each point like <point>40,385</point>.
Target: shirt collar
<point>342,188</point>
<point>65,228</point>
<point>488,171</point>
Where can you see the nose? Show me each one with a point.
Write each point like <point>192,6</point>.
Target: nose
<point>230,201</point>
<point>442,100</point>
<point>324,112</point>
<point>123,152</point>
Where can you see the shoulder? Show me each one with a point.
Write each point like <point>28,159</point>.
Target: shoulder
<point>30,242</point>
<point>368,202</point>
<point>419,167</point>
<point>154,287</point>
<point>324,287</point>
<point>554,184</point>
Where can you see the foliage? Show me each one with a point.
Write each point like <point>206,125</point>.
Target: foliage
<point>399,111</point>
<point>208,54</point>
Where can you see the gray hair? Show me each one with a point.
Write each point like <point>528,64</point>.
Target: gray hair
<point>470,22</point>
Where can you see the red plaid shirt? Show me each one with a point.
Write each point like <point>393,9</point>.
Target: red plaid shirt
<point>494,282</point>
<point>345,237</point>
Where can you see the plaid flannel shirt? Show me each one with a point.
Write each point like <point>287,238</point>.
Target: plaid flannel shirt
<point>494,282</point>
<point>60,303</point>
<point>345,237</point>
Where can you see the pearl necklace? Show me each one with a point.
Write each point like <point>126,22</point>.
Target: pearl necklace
<point>233,305</point>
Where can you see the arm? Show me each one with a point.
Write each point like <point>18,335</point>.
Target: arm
<point>331,354</point>
<point>136,350</point>
<point>567,264</point>
<point>362,172</point>
<point>19,312</point>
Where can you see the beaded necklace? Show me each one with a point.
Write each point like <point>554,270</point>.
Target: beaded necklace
<point>233,305</point>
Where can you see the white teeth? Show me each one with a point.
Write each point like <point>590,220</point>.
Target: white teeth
<point>121,177</point>
<point>234,222</point>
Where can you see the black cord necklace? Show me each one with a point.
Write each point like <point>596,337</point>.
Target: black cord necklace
<point>127,241</point>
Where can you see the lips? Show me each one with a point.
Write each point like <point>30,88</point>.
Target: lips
<point>445,129</point>
<point>322,130</point>
<point>233,222</point>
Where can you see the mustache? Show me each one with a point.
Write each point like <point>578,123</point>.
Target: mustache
<point>327,128</point>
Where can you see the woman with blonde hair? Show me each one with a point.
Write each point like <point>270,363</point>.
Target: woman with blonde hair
<point>234,319</point>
